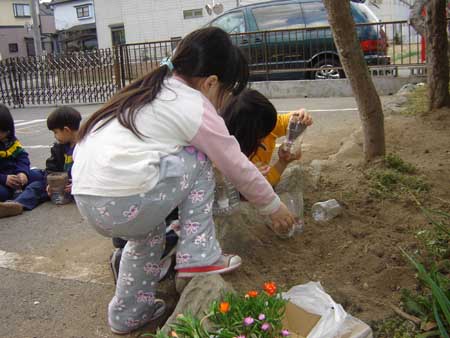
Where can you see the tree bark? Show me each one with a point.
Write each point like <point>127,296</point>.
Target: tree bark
<point>415,16</point>
<point>437,54</point>
<point>355,67</point>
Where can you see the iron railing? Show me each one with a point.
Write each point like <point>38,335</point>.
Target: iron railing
<point>81,77</point>
<point>299,53</point>
<point>390,48</point>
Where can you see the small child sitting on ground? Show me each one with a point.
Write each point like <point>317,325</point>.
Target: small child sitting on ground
<point>17,181</point>
<point>64,122</point>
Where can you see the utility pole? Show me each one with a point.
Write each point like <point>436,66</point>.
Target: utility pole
<point>36,27</point>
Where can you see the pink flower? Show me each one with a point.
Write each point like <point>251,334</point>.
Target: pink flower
<point>248,321</point>
<point>265,326</point>
<point>285,333</point>
<point>262,316</point>
<point>241,336</point>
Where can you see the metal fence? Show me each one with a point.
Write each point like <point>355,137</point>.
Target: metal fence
<point>82,77</point>
<point>390,49</point>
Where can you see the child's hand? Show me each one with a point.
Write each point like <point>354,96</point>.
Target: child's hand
<point>286,157</point>
<point>13,181</point>
<point>68,188</point>
<point>263,168</point>
<point>282,220</point>
<point>304,117</point>
<point>23,179</point>
<point>49,192</point>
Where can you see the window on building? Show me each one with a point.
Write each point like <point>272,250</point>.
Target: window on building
<point>13,48</point>
<point>118,35</point>
<point>21,10</point>
<point>193,13</point>
<point>83,12</point>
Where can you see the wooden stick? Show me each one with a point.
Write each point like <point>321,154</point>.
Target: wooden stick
<point>405,315</point>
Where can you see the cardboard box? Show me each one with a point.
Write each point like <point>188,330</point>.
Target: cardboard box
<point>300,323</point>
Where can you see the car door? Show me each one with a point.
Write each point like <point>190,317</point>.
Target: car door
<point>320,48</point>
<point>236,25</point>
<point>282,41</point>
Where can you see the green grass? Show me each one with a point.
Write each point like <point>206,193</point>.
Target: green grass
<point>393,161</point>
<point>418,102</point>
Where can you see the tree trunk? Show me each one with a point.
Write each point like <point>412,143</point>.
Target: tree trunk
<point>437,58</point>
<point>352,60</point>
<point>416,18</point>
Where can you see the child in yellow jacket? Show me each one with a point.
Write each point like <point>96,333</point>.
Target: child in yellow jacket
<point>253,120</point>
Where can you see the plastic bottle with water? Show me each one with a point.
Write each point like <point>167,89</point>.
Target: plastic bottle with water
<point>326,211</point>
<point>294,130</point>
<point>226,198</point>
<point>294,203</point>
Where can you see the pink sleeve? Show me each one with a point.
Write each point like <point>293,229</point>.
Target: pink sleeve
<point>223,150</point>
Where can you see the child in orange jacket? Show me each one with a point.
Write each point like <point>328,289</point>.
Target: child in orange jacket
<point>252,119</point>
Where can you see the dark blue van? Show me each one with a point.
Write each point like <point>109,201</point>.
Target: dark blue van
<point>289,39</point>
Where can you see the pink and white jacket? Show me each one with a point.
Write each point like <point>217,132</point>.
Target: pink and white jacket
<point>113,162</point>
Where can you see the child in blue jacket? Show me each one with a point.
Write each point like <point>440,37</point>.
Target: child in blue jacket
<point>17,181</point>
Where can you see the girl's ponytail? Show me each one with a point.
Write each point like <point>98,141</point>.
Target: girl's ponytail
<point>204,52</point>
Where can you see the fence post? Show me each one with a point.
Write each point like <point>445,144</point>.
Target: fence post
<point>117,67</point>
<point>13,83</point>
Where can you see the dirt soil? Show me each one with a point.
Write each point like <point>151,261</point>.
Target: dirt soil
<point>357,255</point>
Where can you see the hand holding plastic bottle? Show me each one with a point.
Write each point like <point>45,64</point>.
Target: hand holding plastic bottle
<point>282,220</point>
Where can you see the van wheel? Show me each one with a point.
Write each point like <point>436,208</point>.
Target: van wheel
<point>326,70</point>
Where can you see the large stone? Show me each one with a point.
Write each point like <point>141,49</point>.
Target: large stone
<point>197,296</point>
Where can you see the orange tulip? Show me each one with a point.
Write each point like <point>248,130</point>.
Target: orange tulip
<point>270,288</point>
<point>252,293</point>
<point>224,307</point>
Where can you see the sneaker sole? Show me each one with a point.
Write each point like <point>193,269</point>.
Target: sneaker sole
<point>9,210</point>
<point>212,272</point>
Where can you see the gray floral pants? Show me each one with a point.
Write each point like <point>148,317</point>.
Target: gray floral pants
<point>187,182</point>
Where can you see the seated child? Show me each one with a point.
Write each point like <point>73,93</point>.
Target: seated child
<point>64,122</point>
<point>253,120</point>
<point>17,181</point>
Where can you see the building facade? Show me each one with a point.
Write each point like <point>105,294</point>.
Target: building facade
<point>16,38</point>
<point>75,23</point>
<point>131,21</point>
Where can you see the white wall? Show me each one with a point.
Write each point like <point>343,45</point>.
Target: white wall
<point>107,13</point>
<point>150,20</point>
<point>66,14</point>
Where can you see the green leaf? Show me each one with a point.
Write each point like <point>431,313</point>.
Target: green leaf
<point>441,327</point>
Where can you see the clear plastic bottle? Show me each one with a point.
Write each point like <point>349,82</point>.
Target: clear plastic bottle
<point>226,198</point>
<point>57,181</point>
<point>326,211</point>
<point>294,130</point>
<point>294,202</point>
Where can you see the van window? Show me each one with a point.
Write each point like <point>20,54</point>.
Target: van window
<point>285,16</point>
<point>315,14</point>
<point>231,22</point>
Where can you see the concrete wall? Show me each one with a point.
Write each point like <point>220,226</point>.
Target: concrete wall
<point>150,20</point>
<point>328,88</point>
<point>66,14</point>
<point>107,13</point>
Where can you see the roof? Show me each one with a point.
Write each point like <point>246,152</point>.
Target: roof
<point>83,27</point>
<point>56,2</point>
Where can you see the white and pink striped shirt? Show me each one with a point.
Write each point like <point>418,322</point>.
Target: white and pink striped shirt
<point>113,162</point>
